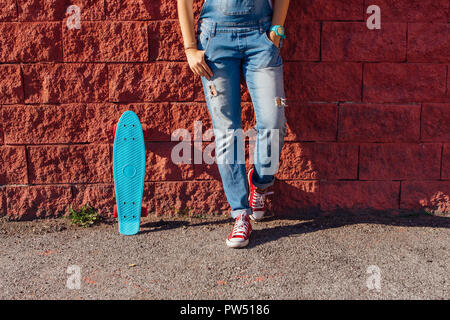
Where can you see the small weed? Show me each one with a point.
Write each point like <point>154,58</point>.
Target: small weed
<point>85,217</point>
<point>188,212</point>
<point>185,212</point>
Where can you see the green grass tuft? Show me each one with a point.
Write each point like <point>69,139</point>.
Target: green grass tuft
<point>85,217</point>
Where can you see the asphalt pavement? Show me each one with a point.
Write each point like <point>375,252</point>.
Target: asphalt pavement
<point>326,257</point>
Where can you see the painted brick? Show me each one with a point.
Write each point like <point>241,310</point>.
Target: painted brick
<point>152,115</point>
<point>357,195</point>
<point>303,43</point>
<point>429,42</point>
<point>183,116</point>
<point>199,197</point>
<point>318,161</point>
<point>311,122</point>
<point>303,196</point>
<point>30,42</point>
<point>100,196</point>
<point>28,202</point>
<point>353,41</point>
<point>411,10</point>
<point>159,164</point>
<point>388,82</point>
<point>433,196</point>
<point>206,197</point>
<point>99,119</point>
<point>446,162</point>
<point>325,10</point>
<point>103,117</point>
<point>436,122</point>
<point>107,42</point>
<point>323,81</point>
<point>203,170</point>
<point>400,161</point>
<point>65,83</point>
<point>69,164</point>
<point>10,84</point>
<point>2,202</point>
<point>2,123</point>
<point>44,124</point>
<point>448,82</point>
<point>379,123</point>
<point>1,128</point>
<point>170,81</point>
<point>142,9</point>
<point>13,165</point>
<point>8,10</point>
<point>165,41</point>
<point>248,116</point>
<point>55,10</point>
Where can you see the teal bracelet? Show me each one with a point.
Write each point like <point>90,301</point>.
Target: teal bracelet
<point>276,29</point>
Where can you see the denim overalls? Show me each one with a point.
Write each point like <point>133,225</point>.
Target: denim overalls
<point>233,35</point>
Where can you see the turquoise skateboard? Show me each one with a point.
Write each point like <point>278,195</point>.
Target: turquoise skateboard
<point>129,172</point>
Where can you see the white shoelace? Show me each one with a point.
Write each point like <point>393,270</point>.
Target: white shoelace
<point>258,199</point>
<point>241,226</point>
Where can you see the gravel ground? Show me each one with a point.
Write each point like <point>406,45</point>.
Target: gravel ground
<point>324,257</point>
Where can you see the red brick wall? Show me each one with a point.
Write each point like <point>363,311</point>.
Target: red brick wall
<point>368,114</point>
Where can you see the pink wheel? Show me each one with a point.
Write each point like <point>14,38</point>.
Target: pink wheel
<point>115,214</point>
<point>145,130</point>
<point>111,132</point>
<point>144,211</point>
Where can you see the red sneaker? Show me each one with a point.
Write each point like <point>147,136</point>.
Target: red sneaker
<point>238,238</point>
<point>256,198</point>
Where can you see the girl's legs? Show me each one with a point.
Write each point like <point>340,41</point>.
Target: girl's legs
<point>267,91</point>
<point>263,73</point>
<point>223,98</point>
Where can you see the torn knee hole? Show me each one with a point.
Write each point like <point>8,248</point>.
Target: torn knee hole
<point>280,102</point>
<point>212,90</point>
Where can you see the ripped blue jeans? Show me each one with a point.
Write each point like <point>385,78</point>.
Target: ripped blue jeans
<point>232,50</point>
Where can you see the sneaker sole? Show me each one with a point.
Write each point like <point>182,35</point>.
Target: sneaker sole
<point>257,215</point>
<point>232,244</point>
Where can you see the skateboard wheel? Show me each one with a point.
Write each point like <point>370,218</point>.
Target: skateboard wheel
<point>115,214</point>
<point>144,212</point>
<point>145,130</point>
<point>112,132</point>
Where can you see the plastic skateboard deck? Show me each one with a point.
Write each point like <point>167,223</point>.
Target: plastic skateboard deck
<point>129,172</point>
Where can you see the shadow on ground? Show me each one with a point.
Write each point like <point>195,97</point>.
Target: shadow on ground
<point>276,227</point>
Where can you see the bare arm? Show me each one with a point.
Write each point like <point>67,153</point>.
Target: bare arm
<point>195,57</point>
<point>280,10</point>
<point>186,19</point>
